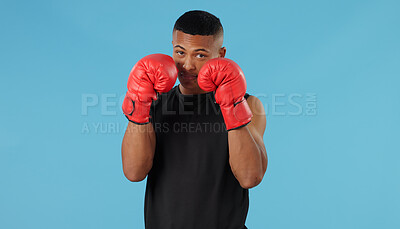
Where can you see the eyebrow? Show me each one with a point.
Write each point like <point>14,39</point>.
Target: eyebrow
<point>178,46</point>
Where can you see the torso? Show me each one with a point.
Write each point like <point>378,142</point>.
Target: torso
<point>191,184</point>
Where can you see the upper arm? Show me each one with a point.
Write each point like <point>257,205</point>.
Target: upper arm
<point>257,125</point>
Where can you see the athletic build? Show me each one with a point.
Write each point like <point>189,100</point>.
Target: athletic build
<point>199,143</point>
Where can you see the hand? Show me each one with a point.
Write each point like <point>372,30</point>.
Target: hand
<point>153,73</point>
<point>225,77</point>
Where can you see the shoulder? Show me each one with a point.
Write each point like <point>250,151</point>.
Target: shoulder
<point>255,105</point>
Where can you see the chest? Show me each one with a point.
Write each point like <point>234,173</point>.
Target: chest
<point>190,135</point>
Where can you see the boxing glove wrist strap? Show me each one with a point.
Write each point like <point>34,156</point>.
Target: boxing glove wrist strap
<point>135,110</point>
<point>236,115</point>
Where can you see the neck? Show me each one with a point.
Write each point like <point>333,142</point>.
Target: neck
<point>186,91</point>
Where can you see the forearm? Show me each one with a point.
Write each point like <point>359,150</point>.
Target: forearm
<point>138,146</point>
<point>245,157</point>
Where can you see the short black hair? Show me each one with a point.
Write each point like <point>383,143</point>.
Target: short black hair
<point>198,22</point>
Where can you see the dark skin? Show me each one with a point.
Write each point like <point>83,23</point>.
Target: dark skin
<point>190,53</point>
<point>247,154</point>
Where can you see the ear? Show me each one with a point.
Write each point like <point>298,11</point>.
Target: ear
<point>222,52</point>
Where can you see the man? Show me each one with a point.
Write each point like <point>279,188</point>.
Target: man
<point>200,144</point>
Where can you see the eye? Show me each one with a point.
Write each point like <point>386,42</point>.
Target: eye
<point>180,53</point>
<point>200,55</point>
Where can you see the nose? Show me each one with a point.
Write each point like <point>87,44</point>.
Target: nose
<point>188,64</point>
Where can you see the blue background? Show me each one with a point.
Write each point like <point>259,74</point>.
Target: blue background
<point>333,159</point>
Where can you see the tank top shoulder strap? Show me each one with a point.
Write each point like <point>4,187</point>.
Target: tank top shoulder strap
<point>246,96</point>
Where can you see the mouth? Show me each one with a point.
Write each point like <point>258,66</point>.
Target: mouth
<point>187,76</point>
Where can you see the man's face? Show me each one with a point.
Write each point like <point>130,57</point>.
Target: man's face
<point>190,53</point>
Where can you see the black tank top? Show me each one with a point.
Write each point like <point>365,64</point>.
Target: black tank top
<point>191,184</point>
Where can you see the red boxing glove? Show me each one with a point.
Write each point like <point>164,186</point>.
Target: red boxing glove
<point>153,73</point>
<point>225,77</point>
